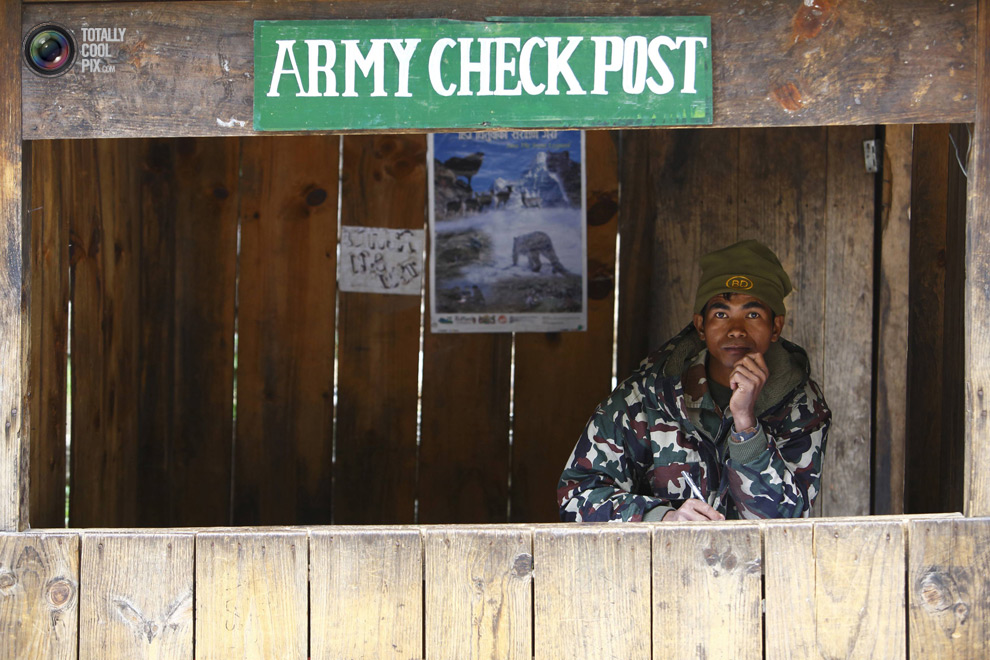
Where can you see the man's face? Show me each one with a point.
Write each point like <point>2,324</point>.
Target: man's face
<point>733,326</point>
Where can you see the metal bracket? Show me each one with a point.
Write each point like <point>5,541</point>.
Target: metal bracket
<point>870,155</point>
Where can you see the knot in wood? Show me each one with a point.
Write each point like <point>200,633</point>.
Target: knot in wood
<point>316,197</point>
<point>523,565</point>
<point>60,592</point>
<point>7,580</point>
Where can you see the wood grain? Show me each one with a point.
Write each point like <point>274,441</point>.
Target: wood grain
<point>929,206</point>
<point>789,567</point>
<point>188,199</point>
<point>637,220</point>
<point>366,593</point>
<point>136,596</point>
<point>711,577</point>
<point>782,201</point>
<point>251,598</point>
<point>14,326</point>
<point>49,223</point>
<point>952,494</point>
<point>977,299</point>
<point>478,593</point>
<point>174,76</point>
<point>584,576</point>
<point>892,323</point>
<point>948,590</point>
<point>561,377</point>
<point>283,449</point>
<point>105,253</point>
<point>859,589</point>
<point>697,210</point>
<point>464,446</point>
<point>848,353</point>
<point>383,185</point>
<point>39,595</point>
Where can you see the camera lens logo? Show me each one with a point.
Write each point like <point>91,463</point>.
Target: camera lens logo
<point>49,50</point>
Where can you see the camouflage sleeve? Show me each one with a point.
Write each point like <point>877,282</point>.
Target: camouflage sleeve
<point>607,467</point>
<point>784,480</point>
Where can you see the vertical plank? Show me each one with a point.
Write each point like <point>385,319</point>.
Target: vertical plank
<point>478,593</point>
<point>948,588</point>
<point>707,591</point>
<point>791,628</point>
<point>49,330</point>
<point>977,335</point>
<point>251,597</point>
<point>464,446</point>
<point>39,587</point>
<point>848,352</point>
<point>104,230</point>
<point>283,449</point>
<point>637,220</point>
<point>953,446</point>
<point>782,201</point>
<point>859,589</point>
<point>12,376</point>
<point>591,592</point>
<point>156,194</point>
<point>892,329</point>
<point>383,185</point>
<point>189,255</point>
<point>203,377</point>
<point>926,370</point>
<point>136,596</point>
<point>366,593</point>
<point>696,212</point>
<point>563,376</point>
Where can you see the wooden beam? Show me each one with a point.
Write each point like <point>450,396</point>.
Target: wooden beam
<point>186,68</point>
<point>976,329</point>
<point>892,329</point>
<point>12,274</point>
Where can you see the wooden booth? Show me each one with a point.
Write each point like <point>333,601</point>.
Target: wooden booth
<point>210,451</point>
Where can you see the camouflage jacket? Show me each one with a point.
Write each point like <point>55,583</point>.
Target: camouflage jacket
<point>629,459</point>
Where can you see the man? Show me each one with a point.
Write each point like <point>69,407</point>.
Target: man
<point>727,401</point>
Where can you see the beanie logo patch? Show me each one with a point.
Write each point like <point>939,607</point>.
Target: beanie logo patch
<point>740,282</point>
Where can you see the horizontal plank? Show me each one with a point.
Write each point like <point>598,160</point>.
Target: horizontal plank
<point>39,596</point>
<point>137,595</point>
<point>251,595</point>
<point>949,588</point>
<point>478,598</point>
<point>591,591</point>
<point>187,68</point>
<point>373,580</point>
<point>710,576</point>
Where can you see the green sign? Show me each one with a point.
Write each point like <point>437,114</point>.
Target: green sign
<point>511,72</point>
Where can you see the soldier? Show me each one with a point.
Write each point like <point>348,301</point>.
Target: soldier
<point>727,401</point>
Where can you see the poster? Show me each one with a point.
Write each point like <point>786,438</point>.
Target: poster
<point>381,260</point>
<point>507,231</point>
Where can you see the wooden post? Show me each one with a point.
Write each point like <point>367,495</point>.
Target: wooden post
<point>11,269</point>
<point>977,330</point>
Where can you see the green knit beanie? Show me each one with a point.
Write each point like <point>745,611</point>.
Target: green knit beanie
<point>748,267</point>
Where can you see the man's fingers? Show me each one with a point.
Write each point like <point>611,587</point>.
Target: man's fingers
<point>698,510</point>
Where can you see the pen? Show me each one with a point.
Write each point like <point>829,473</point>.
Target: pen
<point>695,491</point>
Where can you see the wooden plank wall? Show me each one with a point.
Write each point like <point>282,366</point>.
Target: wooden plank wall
<point>162,246</point>
<point>816,63</point>
<point>14,322</point>
<point>159,282</point>
<point>806,193</point>
<point>882,587</point>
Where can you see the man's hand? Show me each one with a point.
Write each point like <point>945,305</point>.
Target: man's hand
<point>746,381</point>
<point>693,510</point>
